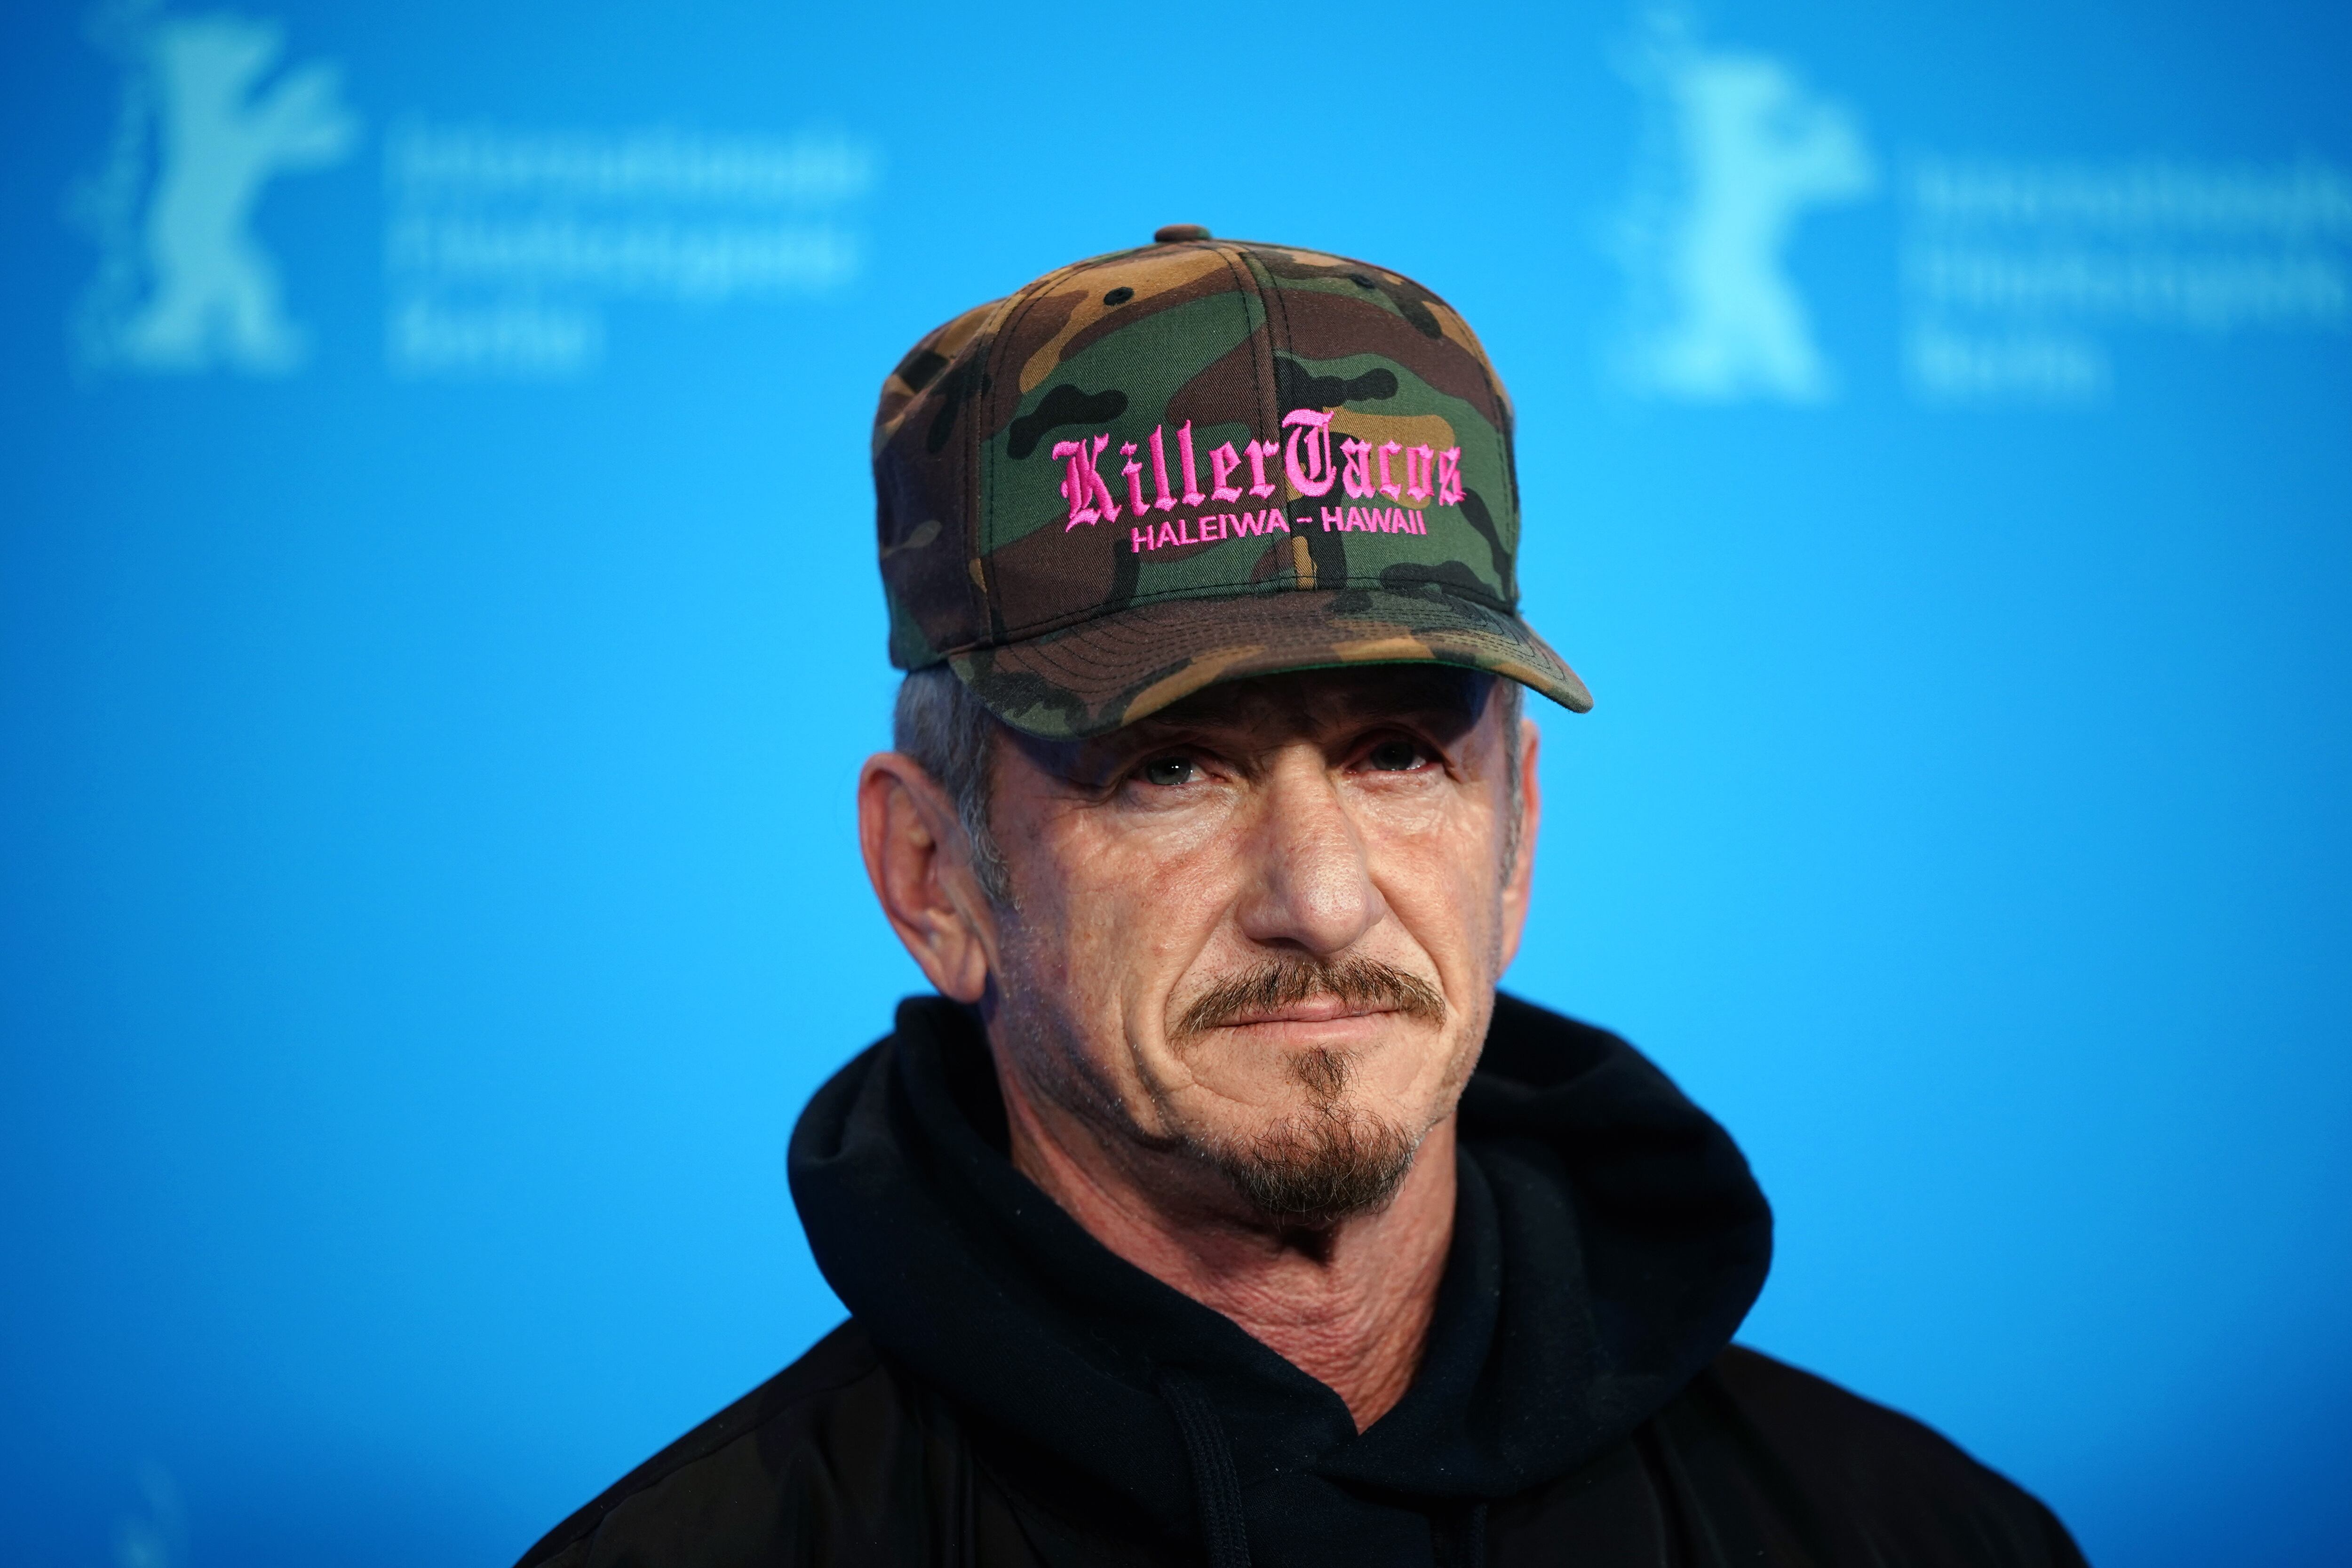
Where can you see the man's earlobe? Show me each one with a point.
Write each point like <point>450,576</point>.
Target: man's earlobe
<point>920,867</point>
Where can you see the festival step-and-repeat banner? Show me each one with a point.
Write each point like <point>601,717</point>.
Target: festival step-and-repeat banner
<point>439,630</point>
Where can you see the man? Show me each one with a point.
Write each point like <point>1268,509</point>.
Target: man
<point>1218,1210</point>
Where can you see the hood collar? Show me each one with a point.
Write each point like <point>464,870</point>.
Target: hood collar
<point>1608,1240</point>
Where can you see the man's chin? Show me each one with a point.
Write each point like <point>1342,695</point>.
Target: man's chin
<point>1317,1168</point>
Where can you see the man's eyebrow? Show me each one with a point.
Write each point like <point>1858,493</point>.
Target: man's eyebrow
<point>1086,765</point>
<point>1444,718</point>
<point>1108,754</point>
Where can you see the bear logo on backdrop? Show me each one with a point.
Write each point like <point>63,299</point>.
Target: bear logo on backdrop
<point>2014,274</point>
<point>1740,150</point>
<point>207,122</point>
<point>502,245</point>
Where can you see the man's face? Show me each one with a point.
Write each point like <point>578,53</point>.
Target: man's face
<point>1262,927</point>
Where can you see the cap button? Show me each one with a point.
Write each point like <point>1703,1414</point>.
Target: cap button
<point>1175,233</point>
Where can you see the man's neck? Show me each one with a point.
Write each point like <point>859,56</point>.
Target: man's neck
<point>1349,1305</point>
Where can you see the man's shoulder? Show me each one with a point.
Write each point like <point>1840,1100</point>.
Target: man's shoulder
<point>735,1489</point>
<point>1860,1480</point>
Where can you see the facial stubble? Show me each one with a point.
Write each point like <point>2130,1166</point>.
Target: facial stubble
<point>1330,1159</point>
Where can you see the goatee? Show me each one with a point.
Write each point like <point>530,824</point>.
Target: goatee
<point>1332,1160</point>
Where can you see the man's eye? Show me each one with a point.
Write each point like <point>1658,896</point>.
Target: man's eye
<point>1394,757</point>
<point>1169,772</point>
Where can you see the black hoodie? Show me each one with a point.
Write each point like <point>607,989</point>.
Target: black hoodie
<point>1008,1392</point>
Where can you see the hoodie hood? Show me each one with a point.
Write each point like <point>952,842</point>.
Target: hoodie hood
<point>1608,1239</point>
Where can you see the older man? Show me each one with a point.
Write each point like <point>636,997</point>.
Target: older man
<point>1218,1210</point>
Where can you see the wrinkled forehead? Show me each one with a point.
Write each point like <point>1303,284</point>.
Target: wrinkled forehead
<point>1269,710</point>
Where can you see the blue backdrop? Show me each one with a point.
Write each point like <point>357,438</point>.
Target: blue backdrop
<point>438,631</point>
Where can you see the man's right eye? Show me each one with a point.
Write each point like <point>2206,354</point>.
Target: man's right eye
<point>1168,773</point>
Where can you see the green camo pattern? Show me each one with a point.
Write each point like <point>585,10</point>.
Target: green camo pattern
<point>1179,364</point>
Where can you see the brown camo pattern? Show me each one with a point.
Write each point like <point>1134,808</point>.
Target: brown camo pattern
<point>1068,629</point>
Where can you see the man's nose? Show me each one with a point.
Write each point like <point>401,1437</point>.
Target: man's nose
<point>1311,887</point>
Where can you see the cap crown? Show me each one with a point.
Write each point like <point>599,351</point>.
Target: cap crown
<point>1199,420</point>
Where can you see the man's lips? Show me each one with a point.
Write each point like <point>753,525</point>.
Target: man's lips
<point>1314,1010</point>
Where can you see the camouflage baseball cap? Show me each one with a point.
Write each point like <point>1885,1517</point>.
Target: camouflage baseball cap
<point>1196,461</point>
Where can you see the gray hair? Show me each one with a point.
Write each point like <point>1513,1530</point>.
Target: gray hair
<point>944,727</point>
<point>940,724</point>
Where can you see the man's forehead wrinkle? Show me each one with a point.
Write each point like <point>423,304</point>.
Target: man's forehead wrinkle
<point>1279,707</point>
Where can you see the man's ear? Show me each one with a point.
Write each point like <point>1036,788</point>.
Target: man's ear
<point>920,861</point>
<point>1519,884</point>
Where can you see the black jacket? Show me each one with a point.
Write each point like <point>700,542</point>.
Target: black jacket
<point>1009,1393</point>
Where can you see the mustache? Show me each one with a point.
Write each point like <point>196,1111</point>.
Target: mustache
<point>1282,983</point>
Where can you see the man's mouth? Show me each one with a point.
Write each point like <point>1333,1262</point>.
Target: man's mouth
<point>1308,992</point>
<point>1326,1009</point>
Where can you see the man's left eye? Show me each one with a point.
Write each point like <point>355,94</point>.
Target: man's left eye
<point>1394,757</point>
<point>1169,772</point>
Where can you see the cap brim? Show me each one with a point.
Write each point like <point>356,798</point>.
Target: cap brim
<point>1092,678</point>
